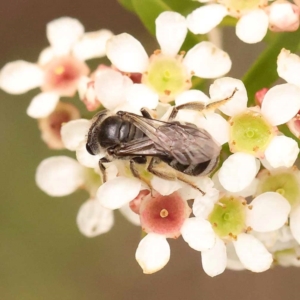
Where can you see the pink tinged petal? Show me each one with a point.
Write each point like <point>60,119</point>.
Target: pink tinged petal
<point>165,187</point>
<point>207,61</point>
<point>171,31</point>
<point>191,96</point>
<point>295,223</point>
<point>288,67</point>
<point>164,215</point>
<point>63,74</point>
<point>252,253</point>
<point>281,103</point>
<point>216,126</point>
<point>110,87</point>
<point>127,54</point>
<point>238,171</point>
<point>282,152</point>
<point>94,219</point>
<point>223,88</point>
<point>153,253</point>
<point>74,133</point>
<point>198,233</point>
<point>59,176</point>
<point>139,95</point>
<point>202,20</point>
<point>42,105</point>
<point>92,44</point>
<point>86,159</point>
<point>252,27</point>
<point>117,192</point>
<point>283,16</point>
<point>269,212</point>
<point>129,215</point>
<point>62,34</point>
<point>20,76</point>
<point>214,260</point>
<point>203,205</point>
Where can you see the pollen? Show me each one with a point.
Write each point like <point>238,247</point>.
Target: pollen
<point>59,70</point>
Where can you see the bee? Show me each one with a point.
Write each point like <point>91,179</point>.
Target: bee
<point>176,150</point>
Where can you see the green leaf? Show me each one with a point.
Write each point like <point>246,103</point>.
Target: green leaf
<point>127,4</point>
<point>264,72</point>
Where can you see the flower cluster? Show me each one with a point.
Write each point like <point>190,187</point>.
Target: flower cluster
<point>174,160</point>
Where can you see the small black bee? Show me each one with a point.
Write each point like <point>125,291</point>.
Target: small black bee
<point>187,149</point>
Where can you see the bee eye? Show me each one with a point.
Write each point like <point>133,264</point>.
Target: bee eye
<point>89,150</point>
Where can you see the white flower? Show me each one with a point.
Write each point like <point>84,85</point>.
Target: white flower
<point>253,132</point>
<point>59,68</point>
<point>228,219</point>
<point>165,74</point>
<point>254,17</point>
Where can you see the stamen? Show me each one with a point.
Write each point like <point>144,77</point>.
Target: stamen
<point>59,70</point>
<point>164,213</point>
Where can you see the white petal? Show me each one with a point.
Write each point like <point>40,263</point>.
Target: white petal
<point>165,187</point>
<point>237,171</point>
<point>42,105</point>
<point>130,215</point>
<point>139,95</point>
<point>207,61</point>
<point>281,103</point>
<point>203,205</point>
<point>46,56</point>
<point>94,219</point>
<point>288,67</point>
<point>233,262</point>
<point>127,53</point>
<point>20,76</point>
<point>171,31</point>
<point>59,176</point>
<point>252,27</point>
<point>216,126</point>
<point>86,159</point>
<point>282,152</point>
<point>198,233</point>
<point>223,88</point>
<point>62,34</point>
<point>153,253</point>
<point>110,87</point>
<point>118,191</point>
<point>74,133</point>
<point>92,44</point>
<point>252,253</point>
<point>202,20</point>
<point>191,96</point>
<point>269,212</point>
<point>214,260</point>
<point>295,223</point>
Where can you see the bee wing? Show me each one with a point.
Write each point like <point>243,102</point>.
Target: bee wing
<point>143,146</point>
<point>188,144</point>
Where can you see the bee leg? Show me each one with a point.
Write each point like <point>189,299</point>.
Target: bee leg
<point>146,113</point>
<point>160,169</point>
<point>182,177</point>
<point>138,161</point>
<point>200,107</point>
<point>102,167</point>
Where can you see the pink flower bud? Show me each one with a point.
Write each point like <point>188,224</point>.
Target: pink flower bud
<point>259,96</point>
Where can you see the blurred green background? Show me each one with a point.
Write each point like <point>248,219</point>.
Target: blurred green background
<point>42,254</point>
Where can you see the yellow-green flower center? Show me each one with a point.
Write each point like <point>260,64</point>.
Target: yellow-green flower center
<point>228,217</point>
<point>167,76</point>
<point>286,183</point>
<point>250,133</point>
